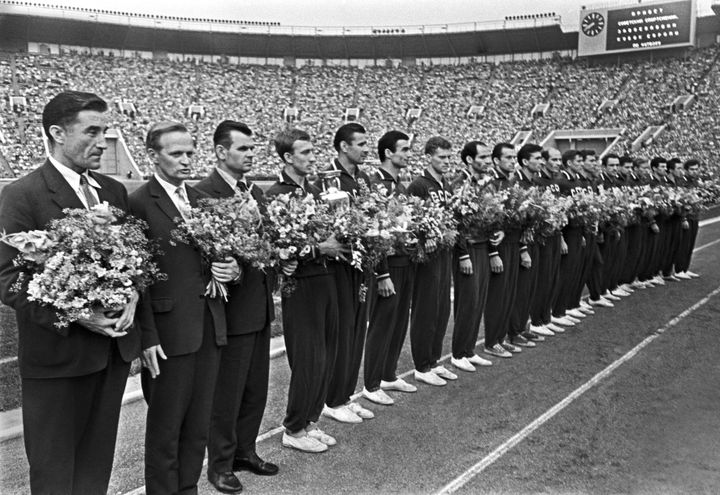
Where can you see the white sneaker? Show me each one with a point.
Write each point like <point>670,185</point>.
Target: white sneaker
<point>430,378</point>
<point>399,385</point>
<point>498,351</point>
<point>555,328</point>
<point>444,373</point>
<point>639,285</point>
<point>563,320</point>
<point>320,435</point>
<point>341,414</point>
<point>462,364</point>
<point>571,318</point>
<point>304,443</point>
<point>658,280</point>
<point>477,360</point>
<point>378,397</point>
<point>360,410</point>
<point>602,302</point>
<point>584,305</point>
<point>692,274</point>
<point>542,330</point>
<point>619,292</point>
<point>610,297</point>
<point>575,313</point>
<point>683,276</point>
<point>627,288</point>
<point>586,308</point>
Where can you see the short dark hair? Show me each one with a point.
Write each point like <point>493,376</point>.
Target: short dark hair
<point>587,153</point>
<point>388,141</point>
<point>673,162</point>
<point>625,159</point>
<point>655,162</point>
<point>470,150</point>
<point>346,132</point>
<point>692,162</point>
<point>607,157</point>
<point>223,130</point>
<point>435,143</point>
<point>527,150</point>
<point>284,141</point>
<point>156,131</point>
<point>497,150</point>
<point>64,108</point>
<point>569,155</point>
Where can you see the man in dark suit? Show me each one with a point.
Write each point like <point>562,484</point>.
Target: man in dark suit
<point>183,330</point>
<point>242,384</point>
<point>73,378</point>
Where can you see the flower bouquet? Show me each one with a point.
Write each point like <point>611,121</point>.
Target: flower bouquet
<point>478,214</point>
<point>88,260</point>
<point>584,211</point>
<point>225,228</point>
<point>551,213</point>
<point>432,227</point>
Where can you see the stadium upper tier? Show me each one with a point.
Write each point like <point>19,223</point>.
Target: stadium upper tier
<point>506,94</point>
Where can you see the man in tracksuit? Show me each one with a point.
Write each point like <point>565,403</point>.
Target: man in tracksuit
<point>431,290</point>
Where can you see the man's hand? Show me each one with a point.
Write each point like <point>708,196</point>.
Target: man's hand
<point>225,271</point>
<point>288,267</point>
<point>333,248</point>
<point>466,267</point>
<point>584,241</point>
<point>525,260</point>
<point>685,224</point>
<point>430,246</point>
<point>655,228</point>
<point>497,238</point>
<point>563,246</point>
<point>150,359</point>
<point>99,323</point>
<point>128,315</point>
<point>386,288</point>
<point>496,264</point>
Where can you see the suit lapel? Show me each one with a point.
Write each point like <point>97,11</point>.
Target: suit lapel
<point>162,200</point>
<point>61,192</point>
<point>220,186</point>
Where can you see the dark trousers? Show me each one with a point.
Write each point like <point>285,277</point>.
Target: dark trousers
<point>310,328</point>
<point>615,264</point>
<point>526,291</point>
<point>570,270</point>
<point>70,427</point>
<point>635,248</point>
<point>501,291</point>
<point>547,281</point>
<point>388,326</point>
<point>687,246</point>
<point>240,396</point>
<point>591,257</point>
<point>430,310</point>
<point>470,297</point>
<point>352,318</point>
<point>649,266</point>
<point>178,418</point>
<point>672,244</point>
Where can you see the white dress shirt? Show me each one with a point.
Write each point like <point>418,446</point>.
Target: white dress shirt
<point>73,179</point>
<point>182,205</point>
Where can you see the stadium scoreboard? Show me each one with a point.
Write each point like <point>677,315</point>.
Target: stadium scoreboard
<point>636,27</point>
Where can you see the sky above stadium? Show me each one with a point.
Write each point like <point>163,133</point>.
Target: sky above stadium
<point>359,12</point>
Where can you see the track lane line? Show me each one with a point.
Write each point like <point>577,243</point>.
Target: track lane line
<point>511,442</point>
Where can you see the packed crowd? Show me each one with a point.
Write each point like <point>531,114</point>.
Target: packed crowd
<point>506,92</point>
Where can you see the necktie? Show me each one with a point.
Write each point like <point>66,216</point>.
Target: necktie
<point>184,202</point>
<point>89,196</point>
<point>241,187</point>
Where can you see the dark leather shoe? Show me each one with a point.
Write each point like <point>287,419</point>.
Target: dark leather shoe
<point>251,462</point>
<point>225,482</point>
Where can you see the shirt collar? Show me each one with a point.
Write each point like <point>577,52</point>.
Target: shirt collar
<point>387,175</point>
<point>72,177</point>
<point>428,175</point>
<point>232,181</point>
<point>169,188</point>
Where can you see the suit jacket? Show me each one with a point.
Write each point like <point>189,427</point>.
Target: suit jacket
<point>250,303</point>
<point>44,351</point>
<point>172,311</point>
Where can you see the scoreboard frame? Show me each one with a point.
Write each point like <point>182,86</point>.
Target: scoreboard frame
<point>637,27</point>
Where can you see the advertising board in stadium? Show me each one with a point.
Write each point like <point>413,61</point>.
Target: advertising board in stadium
<point>636,27</point>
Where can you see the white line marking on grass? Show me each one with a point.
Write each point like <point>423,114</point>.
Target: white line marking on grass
<point>705,246</point>
<point>501,450</point>
<point>708,221</point>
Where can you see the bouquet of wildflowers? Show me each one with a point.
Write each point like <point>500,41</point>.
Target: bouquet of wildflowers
<point>709,191</point>
<point>225,228</point>
<point>584,211</point>
<point>478,213</point>
<point>615,213</point>
<point>552,213</point>
<point>432,227</point>
<point>295,224</point>
<point>686,202</point>
<point>387,220</point>
<point>88,260</point>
